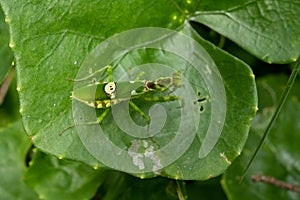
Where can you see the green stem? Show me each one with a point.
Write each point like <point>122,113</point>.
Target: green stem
<point>180,188</point>
<point>283,98</point>
<point>221,42</point>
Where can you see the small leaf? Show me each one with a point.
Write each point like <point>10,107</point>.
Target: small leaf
<point>14,145</point>
<point>61,179</point>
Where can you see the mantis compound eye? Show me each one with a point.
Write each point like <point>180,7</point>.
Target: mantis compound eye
<point>110,88</point>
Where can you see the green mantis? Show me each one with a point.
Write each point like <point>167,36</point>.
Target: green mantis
<point>103,95</point>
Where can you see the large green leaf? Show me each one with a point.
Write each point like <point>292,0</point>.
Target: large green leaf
<point>269,29</point>
<point>14,145</point>
<point>280,153</point>
<point>52,178</point>
<point>6,55</point>
<point>48,53</point>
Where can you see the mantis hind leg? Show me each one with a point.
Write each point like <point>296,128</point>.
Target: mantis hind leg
<point>166,99</point>
<point>102,116</point>
<point>138,110</point>
<point>134,107</point>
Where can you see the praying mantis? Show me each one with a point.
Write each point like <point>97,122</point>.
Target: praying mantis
<point>104,94</point>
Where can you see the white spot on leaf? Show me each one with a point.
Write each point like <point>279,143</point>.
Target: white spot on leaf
<point>225,158</point>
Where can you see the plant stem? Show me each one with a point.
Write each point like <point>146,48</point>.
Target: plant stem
<point>180,188</point>
<point>275,182</point>
<point>5,85</point>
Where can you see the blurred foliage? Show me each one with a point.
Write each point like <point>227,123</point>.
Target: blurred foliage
<point>264,34</point>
